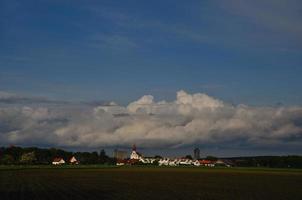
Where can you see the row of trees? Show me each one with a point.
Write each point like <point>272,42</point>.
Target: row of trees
<point>33,155</point>
<point>269,161</point>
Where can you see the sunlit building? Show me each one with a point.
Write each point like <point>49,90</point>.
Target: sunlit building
<point>134,154</point>
<point>196,154</point>
<point>120,155</point>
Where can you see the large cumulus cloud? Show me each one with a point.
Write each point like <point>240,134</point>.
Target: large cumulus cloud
<point>190,119</point>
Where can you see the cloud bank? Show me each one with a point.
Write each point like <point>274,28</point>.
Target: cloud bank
<point>189,120</point>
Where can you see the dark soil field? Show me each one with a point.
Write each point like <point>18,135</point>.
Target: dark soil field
<point>149,183</point>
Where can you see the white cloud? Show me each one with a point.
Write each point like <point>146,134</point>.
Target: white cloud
<point>190,119</point>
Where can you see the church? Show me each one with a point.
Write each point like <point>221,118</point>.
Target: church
<point>134,154</point>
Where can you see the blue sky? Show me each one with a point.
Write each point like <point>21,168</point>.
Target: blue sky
<point>241,51</point>
<point>60,60</point>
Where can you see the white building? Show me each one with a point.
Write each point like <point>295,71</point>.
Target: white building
<point>134,154</point>
<point>168,162</point>
<point>163,161</point>
<point>73,161</point>
<point>147,160</point>
<point>185,161</point>
<point>58,161</point>
<point>196,163</point>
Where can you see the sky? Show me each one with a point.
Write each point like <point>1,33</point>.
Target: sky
<point>60,59</point>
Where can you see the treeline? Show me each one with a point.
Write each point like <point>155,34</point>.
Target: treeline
<point>268,161</point>
<point>33,155</point>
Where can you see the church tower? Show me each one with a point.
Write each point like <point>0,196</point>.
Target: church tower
<point>134,154</point>
<point>134,147</point>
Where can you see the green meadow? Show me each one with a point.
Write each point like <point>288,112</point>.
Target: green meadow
<point>109,182</point>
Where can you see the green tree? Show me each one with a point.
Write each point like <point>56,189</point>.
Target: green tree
<point>15,152</point>
<point>7,159</point>
<point>103,157</point>
<point>28,158</point>
<point>211,158</point>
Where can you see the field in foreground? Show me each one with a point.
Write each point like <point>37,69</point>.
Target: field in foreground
<point>149,183</point>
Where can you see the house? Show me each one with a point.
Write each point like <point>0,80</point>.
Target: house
<point>229,163</point>
<point>120,162</point>
<point>224,163</point>
<point>147,160</point>
<point>132,161</point>
<point>196,163</point>
<point>165,162</point>
<point>207,163</point>
<point>58,161</point>
<point>73,161</point>
<point>168,162</point>
<point>185,161</point>
<point>173,162</point>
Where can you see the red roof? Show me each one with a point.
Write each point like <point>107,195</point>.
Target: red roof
<point>121,161</point>
<point>58,159</point>
<point>70,160</point>
<point>128,161</point>
<point>133,161</point>
<point>205,162</point>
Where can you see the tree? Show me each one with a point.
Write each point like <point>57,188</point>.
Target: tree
<point>94,158</point>
<point>87,157</point>
<point>28,158</point>
<point>7,159</point>
<point>188,157</point>
<point>211,158</point>
<point>15,152</point>
<point>103,157</point>
<point>155,163</point>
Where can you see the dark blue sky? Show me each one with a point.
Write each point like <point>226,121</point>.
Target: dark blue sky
<point>239,51</point>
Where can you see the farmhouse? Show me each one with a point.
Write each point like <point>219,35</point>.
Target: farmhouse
<point>185,161</point>
<point>121,162</point>
<point>168,162</point>
<point>207,163</point>
<point>177,162</point>
<point>58,161</point>
<point>224,163</point>
<point>196,163</point>
<point>147,160</point>
<point>73,161</point>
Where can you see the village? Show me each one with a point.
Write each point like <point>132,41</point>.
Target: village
<point>136,158</point>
